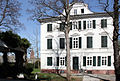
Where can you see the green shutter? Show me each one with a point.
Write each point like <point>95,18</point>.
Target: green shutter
<point>49,61</point>
<point>102,23</point>
<point>80,42</point>
<point>79,24</point>
<point>57,61</point>
<point>70,25</point>
<point>89,42</point>
<point>105,22</point>
<point>49,43</point>
<point>99,60</point>
<point>62,43</point>
<point>62,26</point>
<point>65,61</point>
<point>109,60</point>
<point>94,24</point>
<point>94,60</point>
<point>84,60</point>
<point>103,41</point>
<point>70,42</point>
<point>84,24</point>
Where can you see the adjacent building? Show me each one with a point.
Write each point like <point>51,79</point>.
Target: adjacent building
<point>91,46</point>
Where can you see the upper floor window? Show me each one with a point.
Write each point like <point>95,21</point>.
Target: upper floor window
<point>103,23</point>
<point>49,27</point>
<point>75,42</point>
<point>74,25</point>
<point>75,11</point>
<point>49,43</point>
<point>82,10</point>
<point>49,61</point>
<point>103,41</point>
<point>79,25</point>
<point>62,26</point>
<point>89,42</point>
<point>62,43</point>
<point>84,24</point>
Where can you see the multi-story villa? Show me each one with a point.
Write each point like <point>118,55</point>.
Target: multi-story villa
<point>91,46</point>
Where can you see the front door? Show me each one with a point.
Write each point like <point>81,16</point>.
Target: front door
<point>75,63</point>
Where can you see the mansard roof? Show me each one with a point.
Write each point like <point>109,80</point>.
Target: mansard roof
<point>73,17</point>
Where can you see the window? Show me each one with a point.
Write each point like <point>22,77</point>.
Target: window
<point>89,61</point>
<point>82,10</point>
<point>104,60</point>
<point>75,11</point>
<point>62,43</point>
<point>89,24</point>
<point>103,23</point>
<point>89,42</point>
<point>94,24</point>
<point>84,24</point>
<point>74,25</point>
<point>62,61</point>
<point>103,41</point>
<point>70,25</point>
<point>49,43</point>
<point>79,24</point>
<point>62,26</point>
<point>75,42</point>
<point>49,27</point>
<point>49,61</point>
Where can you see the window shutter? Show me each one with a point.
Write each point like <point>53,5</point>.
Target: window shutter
<point>49,27</point>
<point>84,60</point>
<point>70,42</point>
<point>79,24</point>
<point>49,43</point>
<point>89,42</point>
<point>102,23</point>
<point>94,24</point>
<point>94,60</point>
<point>105,22</point>
<point>84,24</point>
<point>80,42</point>
<point>99,60</point>
<point>70,25</point>
<point>49,61</point>
<point>62,43</point>
<point>65,61</point>
<point>103,41</point>
<point>109,60</point>
<point>62,26</point>
<point>57,61</point>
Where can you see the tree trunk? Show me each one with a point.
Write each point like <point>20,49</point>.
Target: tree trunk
<point>115,40</point>
<point>5,58</point>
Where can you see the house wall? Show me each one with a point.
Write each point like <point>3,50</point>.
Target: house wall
<point>96,49</point>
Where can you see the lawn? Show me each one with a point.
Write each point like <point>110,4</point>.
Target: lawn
<point>35,70</point>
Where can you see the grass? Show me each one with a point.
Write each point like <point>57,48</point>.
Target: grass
<point>55,77</point>
<point>35,70</point>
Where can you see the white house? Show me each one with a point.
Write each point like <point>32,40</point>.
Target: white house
<point>90,42</point>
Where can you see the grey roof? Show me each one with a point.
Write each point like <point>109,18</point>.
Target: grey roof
<point>2,44</point>
<point>72,17</point>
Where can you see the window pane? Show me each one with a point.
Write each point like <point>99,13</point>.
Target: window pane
<point>82,10</point>
<point>70,42</point>
<point>103,41</point>
<point>49,61</point>
<point>49,43</point>
<point>89,42</point>
<point>103,23</point>
<point>62,43</point>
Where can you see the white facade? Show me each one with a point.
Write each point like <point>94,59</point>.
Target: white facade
<point>86,50</point>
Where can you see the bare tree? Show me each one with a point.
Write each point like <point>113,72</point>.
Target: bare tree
<point>113,11</point>
<point>53,9</point>
<point>9,14</point>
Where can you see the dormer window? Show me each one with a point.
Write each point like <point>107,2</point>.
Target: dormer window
<point>82,10</point>
<point>75,11</point>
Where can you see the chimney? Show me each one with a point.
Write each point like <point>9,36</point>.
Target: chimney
<point>32,54</point>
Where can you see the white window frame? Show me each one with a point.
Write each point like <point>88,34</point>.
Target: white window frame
<point>75,43</point>
<point>75,11</point>
<point>104,60</point>
<point>62,61</point>
<point>90,61</point>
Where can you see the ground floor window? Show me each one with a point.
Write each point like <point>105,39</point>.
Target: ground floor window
<point>49,61</point>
